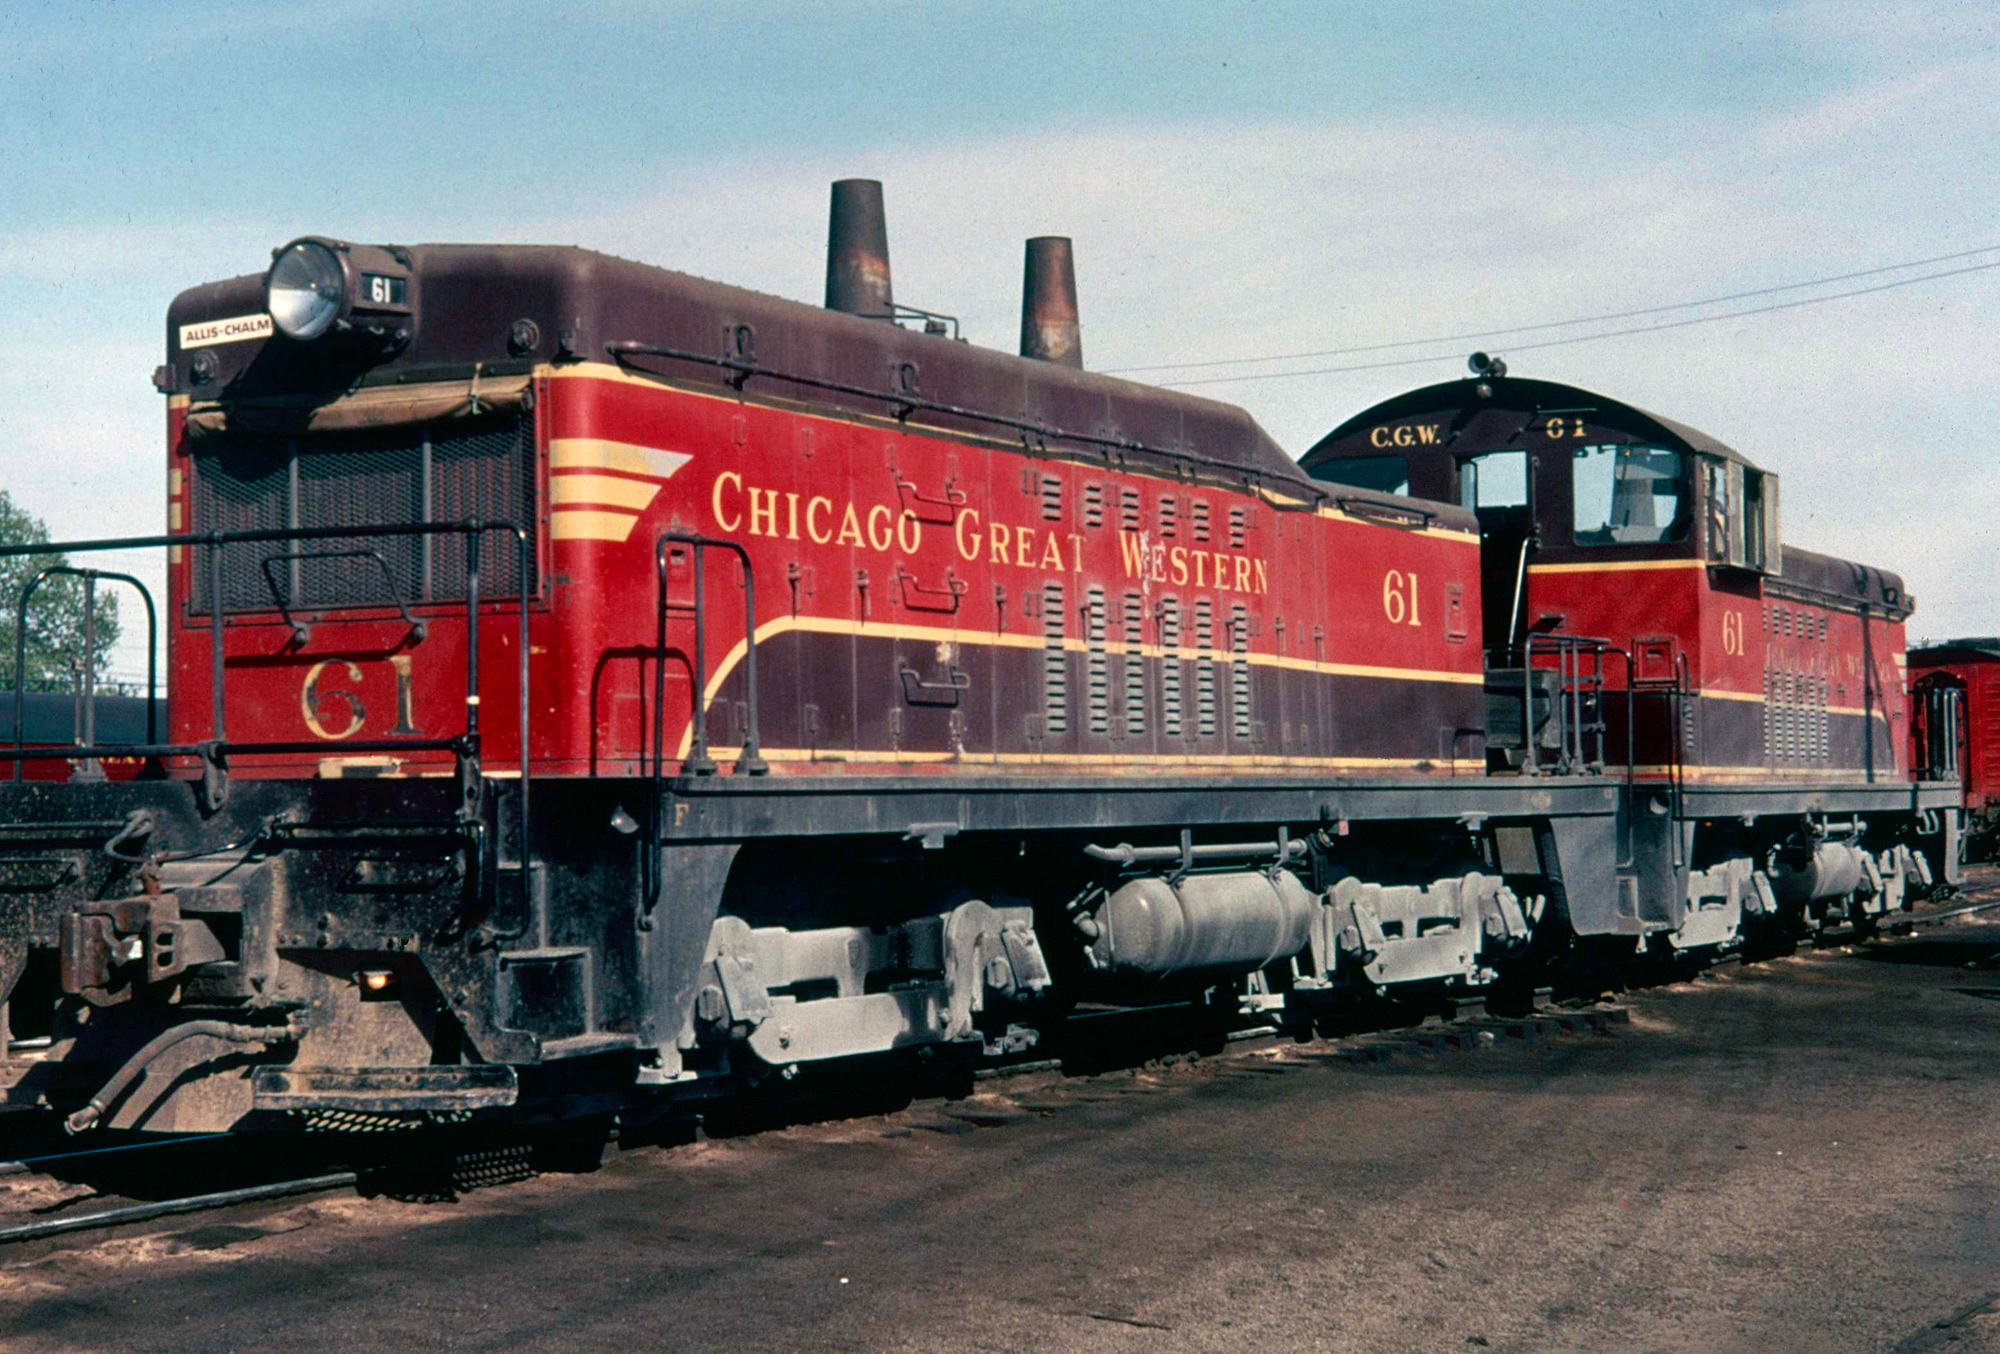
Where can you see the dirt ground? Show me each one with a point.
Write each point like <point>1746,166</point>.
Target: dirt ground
<point>1800,1155</point>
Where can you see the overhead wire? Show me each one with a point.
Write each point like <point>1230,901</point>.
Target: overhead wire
<point>1585,338</point>
<point>1562,324</point>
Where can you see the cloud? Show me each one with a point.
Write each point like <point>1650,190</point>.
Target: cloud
<point>1851,112</point>
<point>1196,244</point>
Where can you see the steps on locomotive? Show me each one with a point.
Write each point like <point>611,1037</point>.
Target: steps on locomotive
<point>1534,718</point>
<point>1520,707</point>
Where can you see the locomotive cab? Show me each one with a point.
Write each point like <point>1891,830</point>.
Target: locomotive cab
<point>1559,479</point>
<point>1633,571</point>
<point>1570,491</point>
<point>1644,617</point>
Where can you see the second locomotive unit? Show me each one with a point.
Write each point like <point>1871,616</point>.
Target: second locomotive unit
<point>593,681</point>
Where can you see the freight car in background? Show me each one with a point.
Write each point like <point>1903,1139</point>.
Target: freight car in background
<point>1955,684</point>
<point>593,681</point>
<point>36,724</point>
<point>54,720</point>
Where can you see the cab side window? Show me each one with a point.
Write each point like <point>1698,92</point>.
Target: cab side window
<point>1720,514</point>
<point>1740,521</point>
<point>1629,494</point>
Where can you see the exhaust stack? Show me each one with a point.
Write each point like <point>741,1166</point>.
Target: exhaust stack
<point>857,250</point>
<point>1049,327</point>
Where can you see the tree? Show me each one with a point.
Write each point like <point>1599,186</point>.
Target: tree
<point>55,616</point>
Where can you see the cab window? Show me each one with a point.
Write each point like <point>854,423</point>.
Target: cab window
<point>1387,474</point>
<point>1721,512</point>
<point>1627,494</point>
<point>1494,479</point>
<point>1742,516</point>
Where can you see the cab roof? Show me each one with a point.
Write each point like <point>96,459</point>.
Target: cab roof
<point>1529,397</point>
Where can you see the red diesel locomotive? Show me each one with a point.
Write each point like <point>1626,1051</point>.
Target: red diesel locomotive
<point>589,680</point>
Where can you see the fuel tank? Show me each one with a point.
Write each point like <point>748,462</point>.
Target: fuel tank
<point>1214,923</point>
<point>1834,871</point>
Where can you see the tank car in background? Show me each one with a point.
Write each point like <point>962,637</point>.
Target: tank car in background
<point>1955,687</point>
<point>593,685</point>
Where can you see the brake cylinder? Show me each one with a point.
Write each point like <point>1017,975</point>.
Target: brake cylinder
<point>1214,923</point>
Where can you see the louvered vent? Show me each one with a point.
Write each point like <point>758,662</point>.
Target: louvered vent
<point>1770,744</point>
<point>1055,663</point>
<point>1170,667</point>
<point>1052,496</point>
<point>1820,740</point>
<point>1239,672</point>
<point>478,469</point>
<point>1204,672</point>
<point>1135,666</point>
<point>1097,666</point>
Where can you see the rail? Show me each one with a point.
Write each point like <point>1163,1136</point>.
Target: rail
<point>215,751</point>
<point>302,630</point>
<point>166,1208</point>
<point>698,762</point>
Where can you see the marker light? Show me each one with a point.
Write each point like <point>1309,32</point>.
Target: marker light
<point>305,289</point>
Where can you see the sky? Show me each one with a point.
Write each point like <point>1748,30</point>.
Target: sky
<point>1242,181</point>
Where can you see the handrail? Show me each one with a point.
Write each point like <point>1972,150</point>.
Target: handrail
<point>1569,653</point>
<point>952,497</point>
<point>87,733</point>
<point>302,630</point>
<point>214,751</point>
<point>953,591</point>
<point>750,762</point>
<point>1405,517</point>
<point>908,402</point>
<point>1598,649</point>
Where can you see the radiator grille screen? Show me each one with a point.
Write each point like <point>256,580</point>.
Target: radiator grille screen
<point>440,473</point>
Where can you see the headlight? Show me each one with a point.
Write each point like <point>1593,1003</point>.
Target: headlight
<point>305,289</point>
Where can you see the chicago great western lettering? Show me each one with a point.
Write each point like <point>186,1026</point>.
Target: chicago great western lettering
<point>739,506</point>
<point>1152,561</point>
<point>784,514</point>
